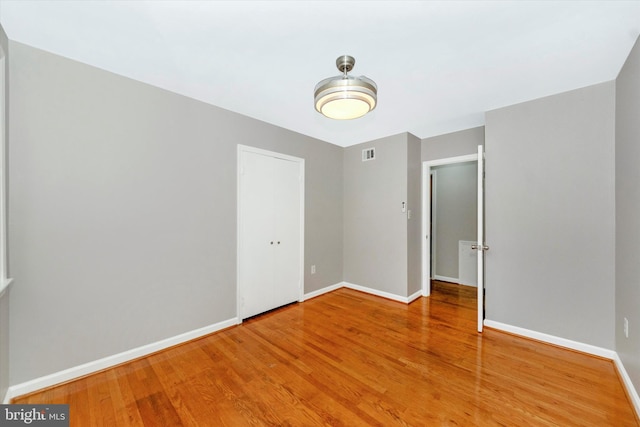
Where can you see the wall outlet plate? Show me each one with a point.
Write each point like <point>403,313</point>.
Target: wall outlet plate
<point>626,327</point>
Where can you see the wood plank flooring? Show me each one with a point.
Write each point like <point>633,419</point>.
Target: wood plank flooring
<point>351,359</point>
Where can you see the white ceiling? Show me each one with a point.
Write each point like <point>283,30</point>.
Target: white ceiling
<point>438,65</point>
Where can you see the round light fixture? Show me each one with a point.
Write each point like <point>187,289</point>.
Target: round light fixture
<point>345,97</point>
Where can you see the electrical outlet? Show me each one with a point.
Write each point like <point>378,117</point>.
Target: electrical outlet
<point>313,269</point>
<point>626,327</point>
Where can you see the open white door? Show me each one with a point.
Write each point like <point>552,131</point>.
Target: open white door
<point>480,246</point>
<point>426,229</point>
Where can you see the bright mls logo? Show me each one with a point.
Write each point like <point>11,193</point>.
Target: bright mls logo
<point>36,415</point>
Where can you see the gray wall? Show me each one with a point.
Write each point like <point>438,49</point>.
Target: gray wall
<point>628,214</point>
<point>550,215</point>
<point>453,144</point>
<point>375,228</point>
<point>456,211</point>
<point>414,224</point>
<point>122,222</point>
<point>4,299</point>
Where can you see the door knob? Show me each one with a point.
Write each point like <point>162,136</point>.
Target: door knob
<point>479,247</point>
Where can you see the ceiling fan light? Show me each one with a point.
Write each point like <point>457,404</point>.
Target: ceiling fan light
<point>345,108</point>
<point>345,97</point>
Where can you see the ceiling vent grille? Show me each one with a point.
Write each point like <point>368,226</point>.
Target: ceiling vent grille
<point>368,154</point>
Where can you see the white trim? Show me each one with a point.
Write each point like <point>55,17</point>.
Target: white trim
<point>433,173</point>
<point>426,211</point>
<point>239,172</point>
<point>323,291</point>
<point>626,380</point>
<point>551,339</point>
<point>377,293</point>
<point>366,290</point>
<point>481,238</point>
<point>425,273</point>
<point>411,298</point>
<point>302,224</point>
<point>450,160</point>
<point>129,355</point>
<point>248,149</point>
<point>578,346</point>
<point>110,361</point>
<point>447,279</point>
<point>4,285</point>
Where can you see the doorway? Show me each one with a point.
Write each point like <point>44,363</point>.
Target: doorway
<point>426,213</point>
<point>454,221</point>
<point>427,271</point>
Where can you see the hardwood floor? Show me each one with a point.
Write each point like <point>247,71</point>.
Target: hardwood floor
<point>351,359</point>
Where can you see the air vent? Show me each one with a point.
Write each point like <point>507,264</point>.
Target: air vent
<point>368,154</point>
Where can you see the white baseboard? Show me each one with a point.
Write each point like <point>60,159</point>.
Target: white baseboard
<point>578,346</point>
<point>378,293</point>
<point>446,279</point>
<point>110,361</point>
<point>364,289</point>
<point>126,356</point>
<point>626,380</point>
<point>414,296</point>
<point>551,339</point>
<point>322,291</point>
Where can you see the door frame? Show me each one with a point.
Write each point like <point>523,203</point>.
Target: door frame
<point>481,238</point>
<point>248,149</point>
<point>426,213</point>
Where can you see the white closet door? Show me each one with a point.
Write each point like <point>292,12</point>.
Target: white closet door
<point>287,182</point>
<point>257,236</point>
<point>270,232</point>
